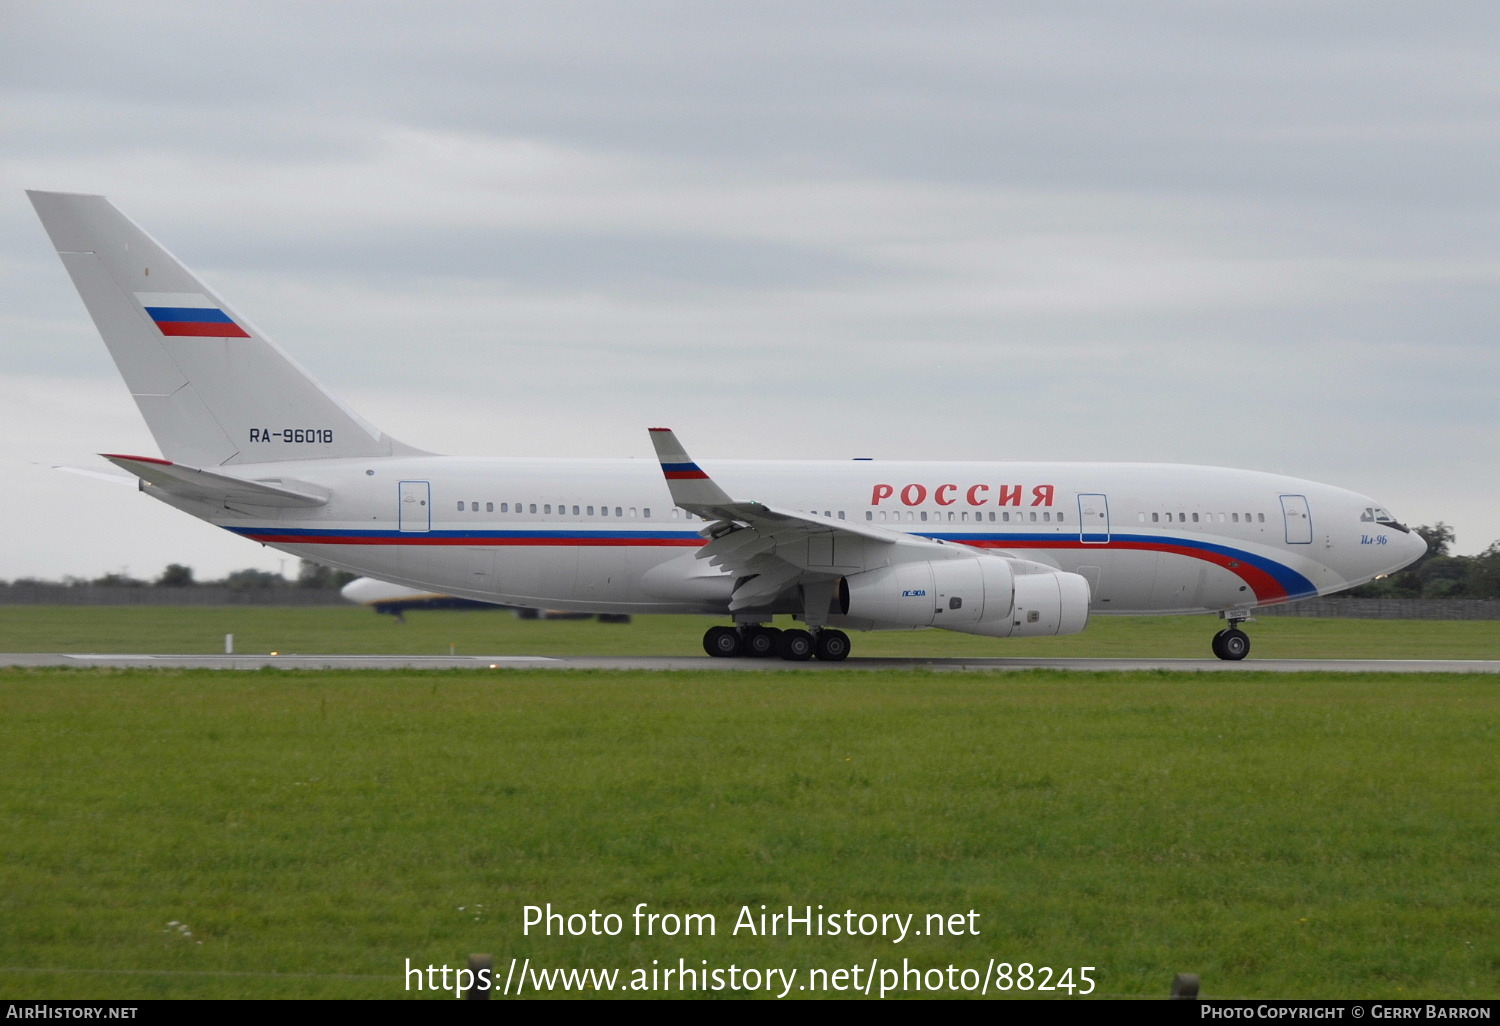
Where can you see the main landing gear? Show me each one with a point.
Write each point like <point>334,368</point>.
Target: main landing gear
<point>758,641</point>
<point>1232,643</point>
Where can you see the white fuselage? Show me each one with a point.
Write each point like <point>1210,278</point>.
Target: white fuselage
<point>603,535</point>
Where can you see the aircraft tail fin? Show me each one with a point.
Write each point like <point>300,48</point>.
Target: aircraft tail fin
<point>214,391</point>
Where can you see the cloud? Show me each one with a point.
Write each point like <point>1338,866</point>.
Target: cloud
<point>1252,233</point>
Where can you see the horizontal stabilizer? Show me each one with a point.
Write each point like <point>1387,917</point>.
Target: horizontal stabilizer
<point>98,475</point>
<point>220,489</point>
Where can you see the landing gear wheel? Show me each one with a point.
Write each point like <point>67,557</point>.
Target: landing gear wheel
<point>832,645</point>
<point>1232,644</point>
<point>795,645</point>
<point>760,642</point>
<point>722,642</point>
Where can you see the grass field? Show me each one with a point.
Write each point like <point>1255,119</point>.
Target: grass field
<point>277,834</point>
<point>328,629</point>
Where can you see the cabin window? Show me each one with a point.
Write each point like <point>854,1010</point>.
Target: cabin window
<point>1195,518</point>
<point>924,517</point>
<point>505,507</point>
<point>647,511</point>
<point>533,507</point>
<point>1234,518</point>
<point>1033,517</point>
<point>619,512</point>
<point>1156,518</point>
<point>1261,517</point>
<point>1182,518</point>
<point>460,506</point>
<point>588,510</point>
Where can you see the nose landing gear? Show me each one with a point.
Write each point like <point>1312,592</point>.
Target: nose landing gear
<point>1232,643</point>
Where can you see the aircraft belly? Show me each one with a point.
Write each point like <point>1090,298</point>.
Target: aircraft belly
<point>536,571</point>
<point>1119,581</point>
<point>1175,584</point>
<point>1221,589</point>
<point>456,569</point>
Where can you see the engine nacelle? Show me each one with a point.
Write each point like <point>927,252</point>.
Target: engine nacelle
<point>1001,598</point>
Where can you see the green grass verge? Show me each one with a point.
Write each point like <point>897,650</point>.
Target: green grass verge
<point>321,630</point>
<point>1281,835</point>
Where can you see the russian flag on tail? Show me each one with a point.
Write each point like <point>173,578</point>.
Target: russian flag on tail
<point>189,313</point>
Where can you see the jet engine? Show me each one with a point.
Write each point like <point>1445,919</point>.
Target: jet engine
<point>988,595</point>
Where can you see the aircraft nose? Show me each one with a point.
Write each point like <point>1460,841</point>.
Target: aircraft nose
<point>1414,547</point>
<point>1408,547</point>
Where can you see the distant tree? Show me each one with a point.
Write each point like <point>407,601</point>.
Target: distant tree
<point>1440,576</point>
<point>1439,538</point>
<point>176,576</point>
<point>118,581</point>
<point>317,576</point>
<point>1484,574</point>
<point>253,580</point>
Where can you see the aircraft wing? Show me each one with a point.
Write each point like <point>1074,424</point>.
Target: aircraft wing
<point>770,549</point>
<point>220,489</point>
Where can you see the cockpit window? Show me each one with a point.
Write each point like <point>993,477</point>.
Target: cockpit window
<point>1379,515</point>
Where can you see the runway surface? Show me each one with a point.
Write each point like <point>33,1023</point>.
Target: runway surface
<point>294,661</point>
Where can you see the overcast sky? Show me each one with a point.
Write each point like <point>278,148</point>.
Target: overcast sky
<point>1257,234</point>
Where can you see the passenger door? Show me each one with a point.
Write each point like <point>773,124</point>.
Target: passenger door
<point>415,507</point>
<point>1093,518</point>
<point>1298,518</point>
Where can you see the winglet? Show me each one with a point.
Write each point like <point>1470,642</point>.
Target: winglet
<point>689,485</point>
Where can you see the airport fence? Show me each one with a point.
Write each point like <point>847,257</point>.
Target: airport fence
<point>45,594</point>
<point>1389,609</point>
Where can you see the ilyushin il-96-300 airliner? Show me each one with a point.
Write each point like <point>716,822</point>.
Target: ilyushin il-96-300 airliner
<point>251,443</point>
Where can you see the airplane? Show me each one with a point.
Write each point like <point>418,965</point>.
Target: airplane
<point>396,600</point>
<point>251,443</point>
